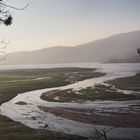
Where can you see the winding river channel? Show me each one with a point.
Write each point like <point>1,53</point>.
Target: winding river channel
<point>32,116</point>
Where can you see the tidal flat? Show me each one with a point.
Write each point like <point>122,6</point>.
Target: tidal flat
<point>66,113</point>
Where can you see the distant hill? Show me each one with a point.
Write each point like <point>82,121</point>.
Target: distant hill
<point>117,48</point>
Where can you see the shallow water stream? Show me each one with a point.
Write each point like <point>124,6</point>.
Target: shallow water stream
<point>33,117</point>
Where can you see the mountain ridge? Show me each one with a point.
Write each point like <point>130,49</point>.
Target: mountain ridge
<point>120,47</point>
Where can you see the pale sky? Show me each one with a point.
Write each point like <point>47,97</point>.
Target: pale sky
<point>47,23</point>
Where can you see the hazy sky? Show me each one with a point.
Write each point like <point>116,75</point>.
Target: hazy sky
<point>47,23</point>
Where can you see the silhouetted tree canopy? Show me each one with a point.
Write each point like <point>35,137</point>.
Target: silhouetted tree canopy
<point>5,15</point>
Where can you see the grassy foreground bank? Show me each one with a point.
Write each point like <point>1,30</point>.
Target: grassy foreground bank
<point>10,130</point>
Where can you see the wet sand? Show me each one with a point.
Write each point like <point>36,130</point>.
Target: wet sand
<point>89,116</point>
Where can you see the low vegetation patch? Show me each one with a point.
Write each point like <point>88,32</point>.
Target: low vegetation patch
<point>13,82</point>
<point>99,92</point>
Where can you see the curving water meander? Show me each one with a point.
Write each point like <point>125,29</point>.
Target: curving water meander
<point>33,117</point>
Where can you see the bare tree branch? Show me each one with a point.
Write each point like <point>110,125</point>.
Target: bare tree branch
<point>6,19</point>
<point>16,8</point>
<point>103,132</point>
